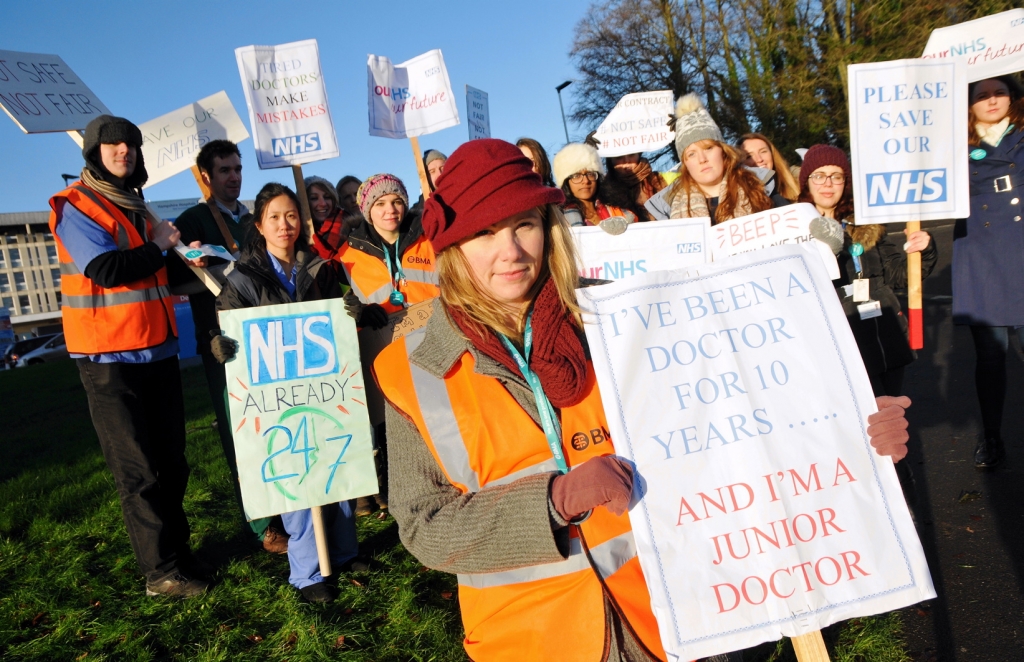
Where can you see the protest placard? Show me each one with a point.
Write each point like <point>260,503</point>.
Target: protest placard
<point>993,45</point>
<point>643,247</point>
<point>298,407</point>
<point>410,99</point>
<point>479,112</point>
<point>637,123</point>
<point>773,227</point>
<point>42,94</point>
<point>170,142</point>
<point>372,341</point>
<point>761,508</point>
<point>287,100</point>
<point>908,138</point>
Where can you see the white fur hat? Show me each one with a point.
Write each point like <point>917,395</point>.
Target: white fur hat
<point>575,157</point>
<point>693,123</point>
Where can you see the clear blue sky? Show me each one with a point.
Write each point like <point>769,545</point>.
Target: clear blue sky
<point>143,59</point>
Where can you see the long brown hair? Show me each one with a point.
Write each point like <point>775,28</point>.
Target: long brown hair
<point>788,188</point>
<point>460,289</point>
<point>1015,112</point>
<point>540,159</point>
<point>844,208</point>
<point>736,177</point>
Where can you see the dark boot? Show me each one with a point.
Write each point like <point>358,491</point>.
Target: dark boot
<point>989,453</point>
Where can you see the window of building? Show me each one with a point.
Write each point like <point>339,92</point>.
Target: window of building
<point>19,280</point>
<point>15,256</point>
<point>60,299</point>
<point>55,275</point>
<point>5,283</point>
<point>51,254</point>
<point>3,260</point>
<point>8,303</point>
<point>23,304</point>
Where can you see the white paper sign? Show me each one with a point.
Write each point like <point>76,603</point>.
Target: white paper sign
<point>993,45</point>
<point>171,142</point>
<point>774,227</point>
<point>287,100</point>
<point>41,93</point>
<point>209,250</point>
<point>637,123</point>
<point>643,247</point>
<point>410,99</point>
<point>479,112</point>
<point>741,397</point>
<point>908,133</point>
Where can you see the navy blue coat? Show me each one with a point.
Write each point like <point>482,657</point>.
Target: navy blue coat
<point>988,247</point>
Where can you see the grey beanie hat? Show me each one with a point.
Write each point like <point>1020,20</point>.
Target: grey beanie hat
<point>433,155</point>
<point>326,186</point>
<point>693,124</point>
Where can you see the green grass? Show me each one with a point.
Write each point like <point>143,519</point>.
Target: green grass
<point>70,589</point>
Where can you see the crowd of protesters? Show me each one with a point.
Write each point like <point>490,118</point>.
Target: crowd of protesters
<point>489,243</point>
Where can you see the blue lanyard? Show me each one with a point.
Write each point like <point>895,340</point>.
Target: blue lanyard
<point>552,428</point>
<point>856,250</point>
<point>396,297</point>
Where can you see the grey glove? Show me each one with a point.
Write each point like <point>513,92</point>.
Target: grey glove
<point>353,306</point>
<point>829,231</point>
<point>614,224</point>
<point>222,347</point>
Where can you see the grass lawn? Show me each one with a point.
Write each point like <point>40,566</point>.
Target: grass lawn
<point>70,589</point>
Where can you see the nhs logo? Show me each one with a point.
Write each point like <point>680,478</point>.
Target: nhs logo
<point>307,142</point>
<point>907,187</point>
<point>293,347</point>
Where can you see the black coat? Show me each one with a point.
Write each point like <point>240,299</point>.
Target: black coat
<point>882,340</point>
<point>254,282</point>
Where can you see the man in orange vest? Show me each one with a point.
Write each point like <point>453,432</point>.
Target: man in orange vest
<point>119,325</point>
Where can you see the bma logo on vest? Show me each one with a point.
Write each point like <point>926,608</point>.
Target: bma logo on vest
<point>307,142</point>
<point>906,188</point>
<point>293,347</point>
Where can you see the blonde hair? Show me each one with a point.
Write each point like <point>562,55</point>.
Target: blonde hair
<point>461,290</point>
<point>788,186</point>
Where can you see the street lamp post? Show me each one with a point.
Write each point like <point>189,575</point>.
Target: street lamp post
<point>559,90</point>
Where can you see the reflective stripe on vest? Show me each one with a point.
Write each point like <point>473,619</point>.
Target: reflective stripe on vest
<point>69,269</point>
<point>371,282</point>
<point>102,300</point>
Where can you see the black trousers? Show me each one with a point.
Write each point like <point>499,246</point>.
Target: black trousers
<point>139,416</point>
<point>991,345</point>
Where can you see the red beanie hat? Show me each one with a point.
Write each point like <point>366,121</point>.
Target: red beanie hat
<point>485,181</point>
<point>820,156</point>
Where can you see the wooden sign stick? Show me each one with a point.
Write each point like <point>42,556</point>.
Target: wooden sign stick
<point>810,647</point>
<point>420,168</point>
<point>321,541</point>
<point>915,314</point>
<point>300,190</point>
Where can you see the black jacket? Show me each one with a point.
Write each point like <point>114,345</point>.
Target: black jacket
<point>882,340</point>
<point>254,282</point>
<point>365,238</point>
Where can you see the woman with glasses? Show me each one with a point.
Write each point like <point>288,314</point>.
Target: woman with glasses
<point>580,173</point>
<point>870,267</point>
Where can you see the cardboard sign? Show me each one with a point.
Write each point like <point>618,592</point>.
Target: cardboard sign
<point>774,227</point>
<point>993,45</point>
<point>908,132</point>
<point>297,405</point>
<point>479,113</point>
<point>643,247</point>
<point>372,341</point>
<point>637,123</point>
<point>410,99</point>
<point>41,94</point>
<point>171,142</point>
<point>287,100</point>
<point>761,508</point>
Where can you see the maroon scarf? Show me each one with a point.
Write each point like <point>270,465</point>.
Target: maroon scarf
<point>557,355</point>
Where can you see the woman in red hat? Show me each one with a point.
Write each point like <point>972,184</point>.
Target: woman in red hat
<point>483,404</point>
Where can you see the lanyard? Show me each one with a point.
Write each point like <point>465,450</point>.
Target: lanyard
<point>396,297</point>
<point>856,250</point>
<point>552,428</point>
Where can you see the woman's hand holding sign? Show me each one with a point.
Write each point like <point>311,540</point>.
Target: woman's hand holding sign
<point>887,427</point>
<point>601,481</point>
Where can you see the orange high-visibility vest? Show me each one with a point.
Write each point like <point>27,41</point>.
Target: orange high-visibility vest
<point>550,611</point>
<point>99,320</point>
<point>368,275</point>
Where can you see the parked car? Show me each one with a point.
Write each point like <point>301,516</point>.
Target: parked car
<point>38,350</point>
<point>4,348</point>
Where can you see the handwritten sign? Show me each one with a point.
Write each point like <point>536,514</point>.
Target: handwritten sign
<point>171,142</point>
<point>993,45</point>
<point>742,399</point>
<point>372,341</point>
<point>298,407</point>
<point>774,227</point>
<point>637,123</point>
<point>479,113</point>
<point>643,247</point>
<point>42,94</point>
<point>287,100</point>
<point>908,132</point>
<point>410,99</point>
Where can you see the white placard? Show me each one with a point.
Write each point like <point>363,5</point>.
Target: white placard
<point>638,123</point>
<point>479,111</point>
<point>41,94</point>
<point>410,99</point>
<point>643,247</point>
<point>908,133</point>
<point>773,227</point>
<point>287,100</point>
<point>993,45</point>
<point>171,142</point>
<point>740,395</point>
<point>209,250</point>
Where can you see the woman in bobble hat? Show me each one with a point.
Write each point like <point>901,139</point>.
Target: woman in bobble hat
<point>482,408</point>
<point>578,170</point>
